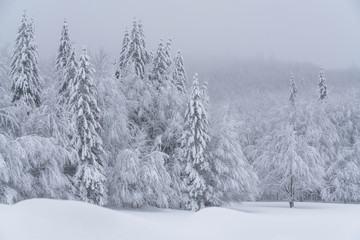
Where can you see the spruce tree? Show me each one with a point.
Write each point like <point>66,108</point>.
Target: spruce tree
<point>90,174</point>
<point>69,76</point>
<point>146,55</point>
<point>137,56</point>
<point>292,91</point>
<point>65,49</point>
<point>24,66</point>
<point>120,71</point>
<point>322,85</point>
<point>179,73</point>
<point>167,54</point>
<point>194,142</point>
<point>159,75</point>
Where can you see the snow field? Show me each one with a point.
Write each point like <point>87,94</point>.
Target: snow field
<point>43,219</point>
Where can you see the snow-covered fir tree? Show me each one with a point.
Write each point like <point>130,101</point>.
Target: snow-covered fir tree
<point>167,53</point>
<point>24,66</point>
<point>160,76</point>
<point>137,55</point>
<point>194,143</point>
<point>179,73</point>
<point>69,74</point>
<point>65,48</point>
<point>323,93</point>
<point>90,175</point>
<point>121,64</point>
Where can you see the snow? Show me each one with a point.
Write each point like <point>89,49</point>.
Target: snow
<point>44,219</point>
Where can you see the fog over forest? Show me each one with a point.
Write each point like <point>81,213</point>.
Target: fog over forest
<point>180,105</point>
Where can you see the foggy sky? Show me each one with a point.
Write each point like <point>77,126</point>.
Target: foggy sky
<point>323,32</point>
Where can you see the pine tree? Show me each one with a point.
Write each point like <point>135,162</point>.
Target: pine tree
<point>193,144</point>
<point>90,173</point>
<point>167,53</point>
<point>137,56</point>
<point>179,73</point>
<point>70,71</point>
<point>143,43</point>
<point>69,76</point>
<point>292,91</point>
<point>24,66</point>
<point>323,94</point>
<point>159,75</point>
<point>120,71</point>
<point>65,49</point>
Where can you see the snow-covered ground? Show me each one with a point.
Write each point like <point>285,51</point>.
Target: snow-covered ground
<point>42,219</point>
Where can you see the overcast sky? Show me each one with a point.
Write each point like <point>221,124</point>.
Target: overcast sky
<point>324,32</point>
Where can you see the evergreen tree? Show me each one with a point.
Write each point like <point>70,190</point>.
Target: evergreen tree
<point>69,76</point>
<point>65,49</point>
<point>292,91</point>
<point>159,75</point>
<point>143,43</point>
<point>90,173</point>
<point>120,71</point>
<point>193,144</point>
<point>24,66</point>
<point>323,94</point>
<point>137,57</point>
<point>205,94</point>
<point>167,54</point>
<point>179,73</point>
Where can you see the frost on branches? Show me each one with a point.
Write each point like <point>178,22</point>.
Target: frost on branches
<point>90,174</point>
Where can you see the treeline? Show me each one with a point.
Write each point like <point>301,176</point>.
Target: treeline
<point>133,134</point>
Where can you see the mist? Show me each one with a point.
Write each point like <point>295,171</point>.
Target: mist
<point>322,32</point>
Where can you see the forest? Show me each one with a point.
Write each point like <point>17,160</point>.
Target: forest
<point>141,132</point>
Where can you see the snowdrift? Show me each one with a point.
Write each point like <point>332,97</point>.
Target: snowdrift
<point>43,219</point>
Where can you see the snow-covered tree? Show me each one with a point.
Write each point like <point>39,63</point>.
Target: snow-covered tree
<point>194,143</point>
<point>343,171</point>
<point>69,74</point>
<point>292,91</point>
<point>90,174</point>
<point>32,166</point>
<point>205,94</point>
<point>65,49</point>
<point>160,76</point>
<point>24,66</point>
<point>179,73</point>
<point>121,64</point>
<point>287,163</point>
<point>137,56</point>
<point>167,53</point>
<point>232,176</point>
<point>323,93</point>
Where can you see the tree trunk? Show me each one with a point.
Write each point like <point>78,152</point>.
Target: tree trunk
<point>291,202</point>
